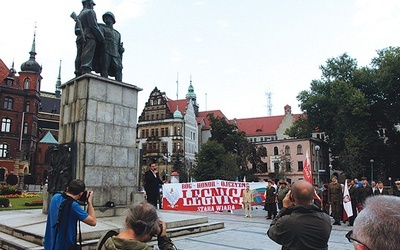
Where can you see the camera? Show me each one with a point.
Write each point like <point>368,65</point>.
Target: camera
<point>83,198</point>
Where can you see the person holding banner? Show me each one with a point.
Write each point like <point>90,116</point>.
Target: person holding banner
<point>247,199</point>
<point>300,224</point>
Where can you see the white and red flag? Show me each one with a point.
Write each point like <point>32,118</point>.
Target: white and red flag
<point>347,211</point>
<point>307,174</point>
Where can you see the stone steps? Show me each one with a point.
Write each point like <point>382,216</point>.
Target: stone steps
<point>27,232</point>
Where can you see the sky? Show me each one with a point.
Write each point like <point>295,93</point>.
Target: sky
<point>235,51</point>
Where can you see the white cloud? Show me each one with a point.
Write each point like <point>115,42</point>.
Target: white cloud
<point>198,39</point>
<point>223,24</point>
<point>176,56</point>
<point>231,70</point>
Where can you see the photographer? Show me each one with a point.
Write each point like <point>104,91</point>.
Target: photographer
<point>64,213</point>
<point>141,224</point>
<point>300,224</point>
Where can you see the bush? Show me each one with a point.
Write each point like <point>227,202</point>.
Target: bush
<point>7,190</point>
<point>29,179</point>
<point>12,179</point>
<point>4,202</point>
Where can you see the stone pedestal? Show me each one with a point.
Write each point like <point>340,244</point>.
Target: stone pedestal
<point>100,116</point>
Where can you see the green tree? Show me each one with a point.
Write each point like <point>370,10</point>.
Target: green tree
<point>351,105</point>
<point>214,162</point>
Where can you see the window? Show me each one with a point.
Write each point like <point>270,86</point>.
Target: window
<point>287,150</point>
<point>38,85</point>
<point>25,128</point>
<point>299,166</point>
<point>27,83</point>
<point>27,106</point>
<point>143,135</point>
<point>288,167</point>
<point>6,125</point>
<point>164,147</point>
<point>3,150</point>
<point>275,150</point>
<point>8,103</point>
<point>299,149</point>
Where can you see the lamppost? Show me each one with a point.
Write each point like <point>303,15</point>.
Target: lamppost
<point>167,158</point>
<point>372,169</point>
<point>317,148</point>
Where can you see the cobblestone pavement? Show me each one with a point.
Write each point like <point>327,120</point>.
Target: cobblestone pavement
<point>247,233</point>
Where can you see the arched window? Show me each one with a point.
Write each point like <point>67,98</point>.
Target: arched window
<point>3,150</point>
<point>276,151</point>
<point>38,85</point>
<point>8,103</point>
<point>26,127</point>
<point>299,149</point>
<point>27,83</point>
<point>287,150</point>
<point>5,125</point>
<point>27,106</point>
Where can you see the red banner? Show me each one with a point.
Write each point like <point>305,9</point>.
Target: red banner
<point>215,195</point>
<point>307,169</point>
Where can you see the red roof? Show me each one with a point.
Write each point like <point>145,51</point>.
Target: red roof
<point>182,105</point>
<point>203,115</point>
<point>260,125</point>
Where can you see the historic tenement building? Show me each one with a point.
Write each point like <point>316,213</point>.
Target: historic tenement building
<point>27,116</point>
<point>285,156</point>
<point>168,133</point>
<point>20,101</point>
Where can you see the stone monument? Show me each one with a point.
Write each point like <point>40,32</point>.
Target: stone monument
<point>99,115</point>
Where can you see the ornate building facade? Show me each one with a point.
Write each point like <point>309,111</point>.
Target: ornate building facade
<point>168,133</point>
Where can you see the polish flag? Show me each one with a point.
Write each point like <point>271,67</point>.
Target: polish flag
<point>307,174</point>
<point>347,211</point>
<point>307,169</point>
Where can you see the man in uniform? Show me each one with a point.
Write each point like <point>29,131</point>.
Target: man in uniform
<point>335,198</point>
<point>111,59</point>
<point>87,39</point>
<point>282,191</point>
<point>270,200</point>
<point>396,191</point>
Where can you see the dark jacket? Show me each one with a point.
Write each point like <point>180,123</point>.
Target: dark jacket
<point>384,192</point>
<point>301,227</point>
<point>363,193</point>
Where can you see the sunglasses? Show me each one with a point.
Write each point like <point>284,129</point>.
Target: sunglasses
<point>349,236</point>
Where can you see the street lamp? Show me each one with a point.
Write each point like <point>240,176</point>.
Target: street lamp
<point>317,148</point>
<point>372,169</point>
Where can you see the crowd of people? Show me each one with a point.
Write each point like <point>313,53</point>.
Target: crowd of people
<point>302,214</point>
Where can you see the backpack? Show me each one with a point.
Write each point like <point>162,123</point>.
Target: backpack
<point>103,240</point>
<point>67,205</point>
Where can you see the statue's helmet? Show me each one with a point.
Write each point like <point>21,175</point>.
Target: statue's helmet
<point>84,1</point>
<point>109,13</point>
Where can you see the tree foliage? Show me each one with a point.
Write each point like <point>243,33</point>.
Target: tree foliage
<point>214,162</point>
<point>238,152</point>
<point>352,105</point>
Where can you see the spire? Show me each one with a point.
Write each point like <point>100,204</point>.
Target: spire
<point>58,83</point>
<point>190,94</point>
<point>31,64</point>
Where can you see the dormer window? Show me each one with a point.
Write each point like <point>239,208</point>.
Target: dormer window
<point>27,83</point>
